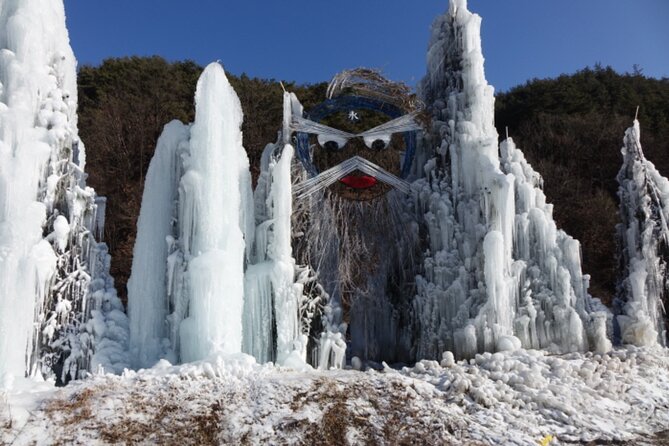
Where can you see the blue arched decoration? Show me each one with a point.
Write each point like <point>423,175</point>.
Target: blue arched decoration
<point>347,103</point>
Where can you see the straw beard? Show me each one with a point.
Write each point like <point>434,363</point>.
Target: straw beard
<point>355,247</point>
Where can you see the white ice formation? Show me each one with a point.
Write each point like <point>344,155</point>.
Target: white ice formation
<point>59,313</point>
<point>497,270</point>
<point>644,242</point>
<point>205,280</point>
<point>277,314</point>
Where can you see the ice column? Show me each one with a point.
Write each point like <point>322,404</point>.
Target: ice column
<point>290,342</point>
<point>497,273</point>
<point>644,239</point>
<point>273,329</point>
<point>211,215</point>
<point>59,313</point>
<point>186,291</point>
<point>148,305</point>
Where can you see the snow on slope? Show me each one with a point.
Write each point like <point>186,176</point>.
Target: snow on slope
<point>503,398</point>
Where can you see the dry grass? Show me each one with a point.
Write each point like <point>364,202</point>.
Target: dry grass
<point>661,438</point>
<point>321,411</point>
<point>142,419</point>
<point>78,408</point>
<point>366,415</point>
<point>6,420</point>
<point>341,412</point>
<point>202,427</point>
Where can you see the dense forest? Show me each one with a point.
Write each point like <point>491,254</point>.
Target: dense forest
<point>570,129</point>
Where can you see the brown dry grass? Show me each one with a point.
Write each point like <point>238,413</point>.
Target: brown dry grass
<point>142,419</point>
<point>77,408</point>
<point>383,420</point>
<point>661,438</point>
<point>325,411</point>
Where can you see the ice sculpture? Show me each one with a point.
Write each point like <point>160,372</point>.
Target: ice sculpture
<point>644,242</point>
<point>321,263</point>
<point>59,313</point>
<point>497,273</point>
<point>202,282</point>
<point>188,271</point>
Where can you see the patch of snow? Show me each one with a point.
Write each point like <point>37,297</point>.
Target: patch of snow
<point>516,397</point>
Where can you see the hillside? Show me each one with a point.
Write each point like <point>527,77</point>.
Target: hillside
<point>570,129</point>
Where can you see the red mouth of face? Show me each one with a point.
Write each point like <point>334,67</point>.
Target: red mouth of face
<point>359,182</point>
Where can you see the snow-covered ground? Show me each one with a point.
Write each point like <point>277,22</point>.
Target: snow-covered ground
<point>520,397</point>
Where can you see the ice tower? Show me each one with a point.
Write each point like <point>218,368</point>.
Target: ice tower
<point>59,313</point>
<point>203,283</point>
<point>497,273</point>
<point>644,242</point>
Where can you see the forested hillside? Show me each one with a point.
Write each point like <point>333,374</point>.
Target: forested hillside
<point>570,129</point>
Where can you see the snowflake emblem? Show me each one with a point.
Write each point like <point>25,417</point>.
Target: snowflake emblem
<point>353,116</point>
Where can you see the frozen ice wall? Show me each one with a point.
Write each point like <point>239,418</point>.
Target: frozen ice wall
<point>203,282</point>
<point>644,242</point>
<point>213,271</point>
<point>497,273</point>
<point>59,314</point>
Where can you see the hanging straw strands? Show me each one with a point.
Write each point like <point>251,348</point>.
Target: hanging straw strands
<point>406,123</point>
<point>334,174</point>
<point>370,83</point>
<point>300,124</point>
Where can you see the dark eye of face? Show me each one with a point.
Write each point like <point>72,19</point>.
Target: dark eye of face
<point>331,145</point>
<point>378,144</point>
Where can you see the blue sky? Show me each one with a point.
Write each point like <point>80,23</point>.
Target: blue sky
<point>310,40</point>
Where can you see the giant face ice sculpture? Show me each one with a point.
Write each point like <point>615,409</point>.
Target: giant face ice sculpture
<point>360,142</point>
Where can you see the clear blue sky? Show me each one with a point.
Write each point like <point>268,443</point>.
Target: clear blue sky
<point>310,40</point>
